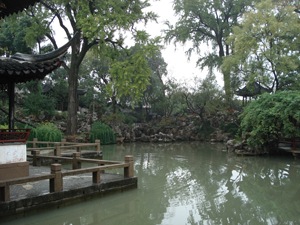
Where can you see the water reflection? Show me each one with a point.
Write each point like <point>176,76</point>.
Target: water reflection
<point>191,184</point>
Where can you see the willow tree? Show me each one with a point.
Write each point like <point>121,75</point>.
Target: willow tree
<point>92,23</point>
<point>207,21</point>
<point>266,46</point>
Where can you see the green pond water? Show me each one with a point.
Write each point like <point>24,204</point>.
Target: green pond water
<point>190,183</point>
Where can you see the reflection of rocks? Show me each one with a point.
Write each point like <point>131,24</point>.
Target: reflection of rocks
<point>233,145</point>
<point>218,136</point>
<point>160,137</point>
<point>241,148</point>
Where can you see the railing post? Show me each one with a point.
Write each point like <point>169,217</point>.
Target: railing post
<point>57,150</point>
<point>76,164</point>
<point>34,141</point>
<point>4,193</point>
<point>36,160</point>
<point>129,171</point>
<point>56,183</point>
<point>96,177</point>
<point>97,141</point>
<point>63,141</point>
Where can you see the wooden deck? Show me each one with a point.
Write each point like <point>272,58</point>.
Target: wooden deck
<point>57,184</point>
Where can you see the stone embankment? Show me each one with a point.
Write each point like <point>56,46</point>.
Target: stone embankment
<point>174,129</point>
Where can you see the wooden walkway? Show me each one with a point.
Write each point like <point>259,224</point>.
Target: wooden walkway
<point>66,179</point>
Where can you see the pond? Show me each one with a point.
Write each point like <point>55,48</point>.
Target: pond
<point>188,184</point>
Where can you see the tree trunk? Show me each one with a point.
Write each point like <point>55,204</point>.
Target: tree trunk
<point>226,74</point>
<point>227,86</point>
<point>72,89</point>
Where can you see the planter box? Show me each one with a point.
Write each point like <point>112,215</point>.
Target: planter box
<point>13,158</point>
<point>14,135</point>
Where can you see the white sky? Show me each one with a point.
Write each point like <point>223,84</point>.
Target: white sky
<point>179,67</point>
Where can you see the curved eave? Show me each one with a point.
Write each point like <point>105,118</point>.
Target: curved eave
<point>14,71</point>
<point>25,67</point>
<point>8,7</point>
<point>44,57</point>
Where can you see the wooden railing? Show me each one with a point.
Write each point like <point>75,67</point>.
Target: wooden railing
<point>63,146</point>
<point>56,176</point>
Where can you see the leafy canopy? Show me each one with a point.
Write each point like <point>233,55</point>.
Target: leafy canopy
<point>266,47</point>
<point>271,117</point>
<point>207,22</point>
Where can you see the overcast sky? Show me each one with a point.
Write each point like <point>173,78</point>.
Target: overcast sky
<point>179,66</point>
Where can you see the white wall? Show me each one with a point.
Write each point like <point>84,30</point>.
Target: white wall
<point>12,153</point>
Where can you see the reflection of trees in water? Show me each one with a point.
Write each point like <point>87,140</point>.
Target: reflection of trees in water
<point>259,191</point>
<point>216,187</point>
<point>212,186</point>
<point>269,184</point>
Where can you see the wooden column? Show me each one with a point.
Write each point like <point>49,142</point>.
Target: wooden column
<point>36,160</point>
<point>11,111</point>
<point>56,184</point>
<point>76,164</point>
<point>129,171</point>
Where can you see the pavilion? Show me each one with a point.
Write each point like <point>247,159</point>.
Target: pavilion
<point>17,69</point>
<point>251,90</point>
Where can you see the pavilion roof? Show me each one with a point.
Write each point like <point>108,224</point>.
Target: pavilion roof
<point>25,67</point>
<point>251,90</point>
<point>8,7</point>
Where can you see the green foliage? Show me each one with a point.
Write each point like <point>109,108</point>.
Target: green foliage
<point>206,98</point>
<point>99,24</point>
<point>103,132</point>
<point>205,129</point>
<point>230,128</point>
<point>172,102</point>
<point>270,118</point>
<point>13,30</point>
<point>266,47</point>
<point>46,132</point>
<point>38,105</point>
<point>130,75</point>
<point>3,126</point>
<point>203,21</point>
<point>111,118</point>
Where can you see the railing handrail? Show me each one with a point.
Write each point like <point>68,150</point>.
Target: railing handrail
<point>56,175</point>
<point>62,143</point>
<point>93,169</point>
<point>58,147</point>
<point>65,174</point>
<point>96,161</point>
<point>26,179</point>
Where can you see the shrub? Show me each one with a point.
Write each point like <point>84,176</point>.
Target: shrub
<point>270,118</point>
<point>3,126</point>
<point>103,132</point>
<point>37,104</point>
<point>46,132</point>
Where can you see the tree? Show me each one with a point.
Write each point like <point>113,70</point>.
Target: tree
<point>90,23</point>
<point>270,118</point>
<point>173,102</point>
<point>266,47</point>
<point>205,98</point>
<point>155,92</point>
<point>207,21</point>
<point>12,35</point>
